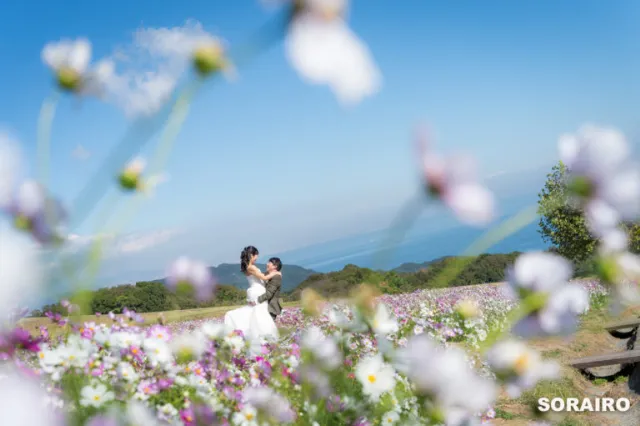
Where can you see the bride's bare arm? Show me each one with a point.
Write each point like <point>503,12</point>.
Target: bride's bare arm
<point>255,271</point>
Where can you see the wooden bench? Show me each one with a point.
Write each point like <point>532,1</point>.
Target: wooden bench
<point>623,329</point>
<point>618,358</point>
<point>611,364</point>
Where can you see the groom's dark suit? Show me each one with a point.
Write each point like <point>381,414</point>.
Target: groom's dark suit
<point>273,296</point>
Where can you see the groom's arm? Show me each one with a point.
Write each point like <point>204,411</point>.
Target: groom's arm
<point>272,286</point>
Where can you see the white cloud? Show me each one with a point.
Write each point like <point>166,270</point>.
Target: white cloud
<point>80,153</point>
<point>114,245</point>
<point>148,68</point>
<point>140,242</point>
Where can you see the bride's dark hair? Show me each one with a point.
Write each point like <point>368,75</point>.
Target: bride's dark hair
<point>245,257</point>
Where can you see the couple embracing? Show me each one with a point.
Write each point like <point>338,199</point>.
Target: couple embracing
<point>257,318</point>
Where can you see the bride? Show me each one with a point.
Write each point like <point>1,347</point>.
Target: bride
<point>254,321</point>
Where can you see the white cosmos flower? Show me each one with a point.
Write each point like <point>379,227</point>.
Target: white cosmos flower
<point>446,375</point>
<point>520,367</point>
<point>95,396</point>
<point>601,176</point>
<point>323,50</point>
<point>383,322</point>
<point>376,376</point>
<point>126,372</point>
<point>20,271</point>
<point>324,348</point>
<point>214,330</point>
<point>454,181</point>
<point>246,417</point>
<point>158,351</point>
<point>619,268</point>
<point>544,276</point>
<point>390,418</point>
<point>267,400</point>
<point>191,345</point>
<point>70,62</point>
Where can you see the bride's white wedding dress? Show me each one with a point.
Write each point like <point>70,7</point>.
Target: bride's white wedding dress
<point>253,321</point>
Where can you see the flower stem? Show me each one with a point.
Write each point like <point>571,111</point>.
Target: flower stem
<point>144,129</point>
<point>45,121</point>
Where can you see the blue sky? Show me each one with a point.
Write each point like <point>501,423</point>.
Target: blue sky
<point>271,160</point>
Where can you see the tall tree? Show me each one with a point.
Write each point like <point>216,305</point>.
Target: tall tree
<point>563,225</point>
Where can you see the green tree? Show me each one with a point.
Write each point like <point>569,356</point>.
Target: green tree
<point>563,225</point>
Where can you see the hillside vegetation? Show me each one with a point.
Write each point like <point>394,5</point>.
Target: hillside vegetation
<point>153,296</point>
<point>485,268</point>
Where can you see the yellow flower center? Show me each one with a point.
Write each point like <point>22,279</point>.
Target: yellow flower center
<point>249,416</point>
<point>96,397</point>
<point>371,378</point>
<point>521,363</point>
<point>41,355</point>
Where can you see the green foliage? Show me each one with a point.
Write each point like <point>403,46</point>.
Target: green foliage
<point>563,225</point>
<point>485,268</point>
<point>149,296</point>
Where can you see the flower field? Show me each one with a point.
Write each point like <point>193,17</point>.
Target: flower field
<point>326,370</point>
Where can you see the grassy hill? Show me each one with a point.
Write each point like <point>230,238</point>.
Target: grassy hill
<point>485,268</point>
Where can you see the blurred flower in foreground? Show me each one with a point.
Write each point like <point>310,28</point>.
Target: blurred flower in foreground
<point>272,404</point>
<point>9,167</point>
<point>33,210</point>
<point>131,179</point>
<point>20,272</point>
<point>323,50</point>
<point>454,391</point>
<point>619,269</point>
<point>191,276</point>
<point>23,402</point>
<point>454,182</point>
<point>601,177</point>
<point>540,281</point>
<point>69,60</point>
<point>520,367</point>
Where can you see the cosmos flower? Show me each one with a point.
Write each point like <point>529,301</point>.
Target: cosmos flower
<point>20,271</point>
<point>376,376</point>
<point>324,50</point>
<point>324,348</point>
<point>541,279</point>
<point>95,395</point>
<point>601,177</point>
<point>69,60</point>
<point>520,367</point>
<point>189,275</point>
<point>454,181</point>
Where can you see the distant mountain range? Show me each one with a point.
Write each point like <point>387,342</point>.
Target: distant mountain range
<point>229,273</point>
<point>411,267</point>
<point>292,275</point>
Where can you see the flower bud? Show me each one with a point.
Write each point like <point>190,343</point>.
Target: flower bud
<point>209,58</point>
<point>130,178</point>
<point>468,309</point>
<point>365,298</point>
<point>607,269</point>
<point>312,302</point>
<point>69,79</point>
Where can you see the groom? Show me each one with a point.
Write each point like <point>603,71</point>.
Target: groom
<point>273,288</point>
